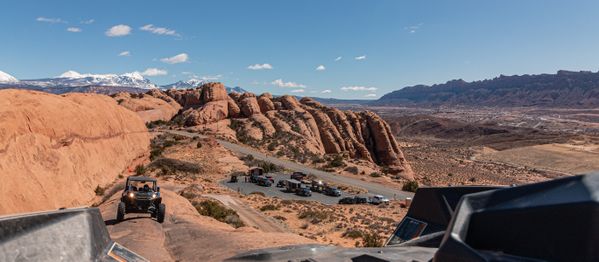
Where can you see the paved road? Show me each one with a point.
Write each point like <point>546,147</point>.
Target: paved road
<point>372,188</point>
<point>250,216</point>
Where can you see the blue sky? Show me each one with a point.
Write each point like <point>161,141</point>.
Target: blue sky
<point>402,43</point>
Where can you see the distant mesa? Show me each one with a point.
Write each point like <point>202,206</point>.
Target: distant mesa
<point>564,89</point>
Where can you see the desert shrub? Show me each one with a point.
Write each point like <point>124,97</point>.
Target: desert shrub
<point>140,170</point>
<point>155,153</point>
<point>269,207</point>
<point>282,218</point>
<point>272,146</point>
<point>199,144</point>
<point>450,174</point>
<point>337,161</point>
<point>156,123</point>
<point>99,190</point>
<point>376,174</point>
<point>120,101</point>
<point>219,212</point>
<point>410,186</point>
<point>352,233</point>
<point>170,164</point>
<point>315,216</point>
<point>372,239</point>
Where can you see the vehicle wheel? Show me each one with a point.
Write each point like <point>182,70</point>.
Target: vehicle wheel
<point>120,213</point>
<point>161,213</point>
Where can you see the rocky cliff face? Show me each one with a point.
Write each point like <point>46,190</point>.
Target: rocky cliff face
<point>54,149</point>
<point>304,130</point>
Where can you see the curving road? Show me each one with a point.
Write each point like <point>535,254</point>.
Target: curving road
<point>373,188</point>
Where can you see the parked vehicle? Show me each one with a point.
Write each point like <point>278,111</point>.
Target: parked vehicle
<point>299,176</point>
<point>317,186</point>
<point>347,200</point>
<point>263,181</point>
<point>272,180</point>
<point>292,185</point>
<point>361,200</point>
<point>332,191</point>
<point>304,191</point>
<point>254,173</point>
<point>378,199</point>
<point>281,183</point>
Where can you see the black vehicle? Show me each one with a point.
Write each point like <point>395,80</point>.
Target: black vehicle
<point>141,195</point>
<point>332,191</point>
<point>299,176</point>
<point>304,192</point>
<point>281,183</point>
<point>263,181</point>
<point>361,200</point>
<point>347,200</point>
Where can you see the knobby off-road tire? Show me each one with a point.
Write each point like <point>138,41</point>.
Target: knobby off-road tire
<point>161,213</point>
<point>120,213</point>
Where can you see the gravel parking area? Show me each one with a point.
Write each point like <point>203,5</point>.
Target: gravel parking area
<point>273,191</point>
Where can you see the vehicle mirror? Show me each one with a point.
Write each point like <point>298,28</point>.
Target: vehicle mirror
<point>157,189</point>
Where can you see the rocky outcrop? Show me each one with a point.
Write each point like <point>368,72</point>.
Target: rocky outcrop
<point>56,149</point>
<point>207,104</point>
<point>265,103</point>
<point>249,104</point>
<point>301,129</point>
<point>151,106</point>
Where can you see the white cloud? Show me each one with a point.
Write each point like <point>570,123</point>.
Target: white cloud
<point>87,22</point>
<point>327,91</point>
<point>211,78</point>
<point>158,30</point>
<point>370,95</point>
<point>362,57</point>
<point>358,88</point>
<point>180,58</point>
<point>50,20</point>
<point>260,67</point>
<point>338,58</point>
<point>74,29</point>
<point>320,68</point>
<point>154,72</point>
<point>413,28</point>
<point>297,91</point>
<point>118,30</point>
<point>125,53</point>
<point>280,83</point>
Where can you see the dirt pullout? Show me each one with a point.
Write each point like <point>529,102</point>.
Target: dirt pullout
<point>187,236</point>
<point>54,148</point>
<point>250,216</point>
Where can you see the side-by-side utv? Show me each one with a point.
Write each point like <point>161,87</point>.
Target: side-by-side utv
<point>141,195</point>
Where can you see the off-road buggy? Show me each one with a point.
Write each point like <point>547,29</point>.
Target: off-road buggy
<point>141,195</point>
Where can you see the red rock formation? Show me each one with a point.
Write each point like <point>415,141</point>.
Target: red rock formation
<point>308,126</point>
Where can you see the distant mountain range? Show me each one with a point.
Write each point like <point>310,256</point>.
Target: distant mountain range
<point>72,81</point>
<point>564,89</point>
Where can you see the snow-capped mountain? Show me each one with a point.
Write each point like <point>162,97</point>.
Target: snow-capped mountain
<point>193,83</point>
<point>75,79</point>
<point>6,78</point>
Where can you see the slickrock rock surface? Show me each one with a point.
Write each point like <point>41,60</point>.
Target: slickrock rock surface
<point>303,130</point>
<point>151,106</point>
<point>54,148</point>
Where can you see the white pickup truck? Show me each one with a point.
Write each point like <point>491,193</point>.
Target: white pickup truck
<point>378,199</point>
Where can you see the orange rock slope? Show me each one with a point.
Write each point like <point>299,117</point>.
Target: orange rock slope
<point>151,106</point>
<point>56,149</point>
<point>313,128</point>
